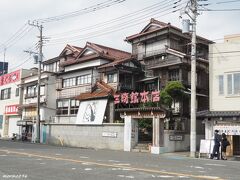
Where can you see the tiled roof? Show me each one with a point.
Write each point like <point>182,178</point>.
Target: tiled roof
<point>218,113</point>
<point>100,90</point>
<point>162,26</point>
<point>116,62</point>
<point>101,52</point>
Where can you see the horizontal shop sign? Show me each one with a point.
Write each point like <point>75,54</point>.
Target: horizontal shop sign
<point>175,137</point>
<point>11,109</point>
<point>109,134</point>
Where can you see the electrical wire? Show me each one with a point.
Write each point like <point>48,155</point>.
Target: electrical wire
<point>90,9</point>
<point>114,28</point>
<point>126,16</point>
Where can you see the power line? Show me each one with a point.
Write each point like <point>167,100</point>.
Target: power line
<point>114,28</point>
<point>232,1</point>
<point>219,9</point>
<point>92,8</point>
<point>126,16</point>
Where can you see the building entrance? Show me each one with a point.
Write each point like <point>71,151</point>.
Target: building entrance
<point>236,145</point>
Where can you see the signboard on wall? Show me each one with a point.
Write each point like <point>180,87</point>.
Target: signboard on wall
<point>10,78</point>
<point>11,109</point>
<point>91,111</point>
<point>228,129</point>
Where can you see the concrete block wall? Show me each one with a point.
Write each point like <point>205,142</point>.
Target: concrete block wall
<point>86,136</point>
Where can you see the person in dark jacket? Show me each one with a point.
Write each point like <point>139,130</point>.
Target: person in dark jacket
<point>225,143</point>
<point>217,140</point>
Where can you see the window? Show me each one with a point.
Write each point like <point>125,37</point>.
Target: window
<point>110,78</point>
<point>17,92</point>
<point>85,79</point>
<point>69,82</point>
<point>62,107</point>
<point>174,75</point>
<point>220,85</point>
<point>6,93</point>
<point>74,106</point>
<point>233,84</point>
<point>32,91</point>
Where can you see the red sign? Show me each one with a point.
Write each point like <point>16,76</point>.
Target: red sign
<point>10,78</point>
<point>12,109</point>
<point>136,97</point>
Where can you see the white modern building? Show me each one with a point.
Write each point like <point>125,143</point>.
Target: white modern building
<point>10,101</point>
<point>224,110</point>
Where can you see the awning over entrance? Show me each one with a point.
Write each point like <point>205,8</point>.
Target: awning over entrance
<point>209,114</point>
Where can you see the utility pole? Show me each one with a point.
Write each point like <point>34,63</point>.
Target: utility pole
<point>193,80</point>
<point>40,55</point>
<point>193,16</point>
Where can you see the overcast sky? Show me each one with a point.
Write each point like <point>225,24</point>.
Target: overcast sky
<point>15,13</point>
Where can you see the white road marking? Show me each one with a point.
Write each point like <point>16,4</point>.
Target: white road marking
<point>197,167</point>
<point>73,168</point>
<point>86,163</point>
<point>42,163</point>
<point>165,176</point>
<point>215,165</point>
<point>88,169</point>
<point>113,161</point>
<point>58,154</point>
<point>122,164</point>
<point>39,159</point>
<point>129,177</point>
<point>183,176</point>
<point>3,155</point>
<point>211,177</point>
<point>84,157</point>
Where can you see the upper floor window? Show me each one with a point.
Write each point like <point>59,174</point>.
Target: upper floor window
<point>111,78</point>
<point>6,93</point>
<point>233,84</point>
<point>17,92</point>
<point>32,91</point>
<point>173,75</point>
<point>220,85</point>
<point>85,79</point>
<point>69,82</point>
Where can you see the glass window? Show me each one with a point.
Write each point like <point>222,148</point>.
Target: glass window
<point>6,93</point>
<point>110,78</point>
<point>32,91</point>
<point>69,82</point>
<point>74,106</point>
<point>85,79</point>
<point>229,79</point>
<point>17,92</point>
<point>220,85</point>
<point>62,107</point>
<point>174,75</point>
<point>236,82</point>
<point>233,84</point>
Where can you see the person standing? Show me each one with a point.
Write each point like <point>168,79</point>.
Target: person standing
<point>225,143</point>
<point>217,140</point>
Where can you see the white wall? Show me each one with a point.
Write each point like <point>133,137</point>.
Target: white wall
<point>222,64</point>
<point>86,136</point>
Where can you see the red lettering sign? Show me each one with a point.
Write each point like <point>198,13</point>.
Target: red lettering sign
<point>144,97</point>
<point>116,99</point>
<point>155,96</point>
<point>10,78</point>
<point>136,97</point>
<point>124,98</point>
<point>12,109</point>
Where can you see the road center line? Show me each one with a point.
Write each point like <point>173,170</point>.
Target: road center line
<point>110,165</point>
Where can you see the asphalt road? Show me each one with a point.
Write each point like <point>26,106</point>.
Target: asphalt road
<point>43,162</point>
